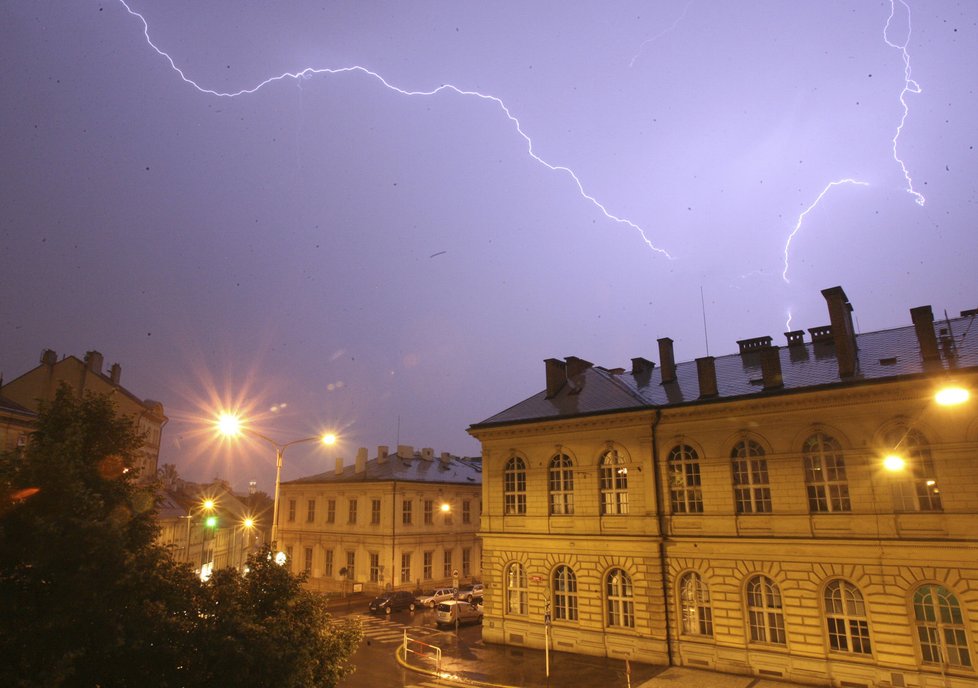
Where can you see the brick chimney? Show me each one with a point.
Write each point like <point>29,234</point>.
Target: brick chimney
<point>115,373</point>
<point>576,366</point>
<point>405,451</point>
<point>706,372</point>
<point>556,376</point>
<point>445,458</point>
<point>771,367</point>
<point>339,465</point>
<point>843,333</point>
<point>923,323</point>
<point>382,454</point>
<point>795,337</point>
<point>667,359</point>
<point>361,463</point>
<point>642,366</point>
<point>93,359</point>
<point>428,454</point>
<point>49,357</point>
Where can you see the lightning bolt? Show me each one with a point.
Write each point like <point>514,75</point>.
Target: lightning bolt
<point>312,71</point>
<point>801,218</point>
<point>909,86</point>
<point>660,34</point>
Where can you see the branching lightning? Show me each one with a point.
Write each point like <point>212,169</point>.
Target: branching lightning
<point>313,71</point>
<point>909,86</point>
<point>801,218</point>
<point>659,35</point>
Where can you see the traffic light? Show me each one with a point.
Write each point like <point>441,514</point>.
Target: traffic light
<point>211,522</point>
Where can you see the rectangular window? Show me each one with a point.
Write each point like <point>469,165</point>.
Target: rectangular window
<point>374,567</point>
<point>311,511</point>
<point>406,507</point>
<point>429,512</point>
<point>466,562</point>
<point>353,512</point>
<point>446,570</point>
<point>351,564</point>
<point>331,511</point>
<point>329,563</point>
<point>307,561</point>
<point>374,512</point>
<point>291,511</point>
<point>429,560</point>
<point>405,567</point>
<point>288,557</point>
<point>466,512</point>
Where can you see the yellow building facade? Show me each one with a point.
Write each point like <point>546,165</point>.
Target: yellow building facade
<point>806,512</point>
<point>401,521</point>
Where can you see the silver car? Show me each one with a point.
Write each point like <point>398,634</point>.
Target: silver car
<point>430,599</point>
<point>452,611</point>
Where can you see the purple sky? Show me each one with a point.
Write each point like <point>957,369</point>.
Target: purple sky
<point>398,266</point>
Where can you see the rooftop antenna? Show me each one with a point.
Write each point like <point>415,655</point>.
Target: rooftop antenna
<point>706,335</point>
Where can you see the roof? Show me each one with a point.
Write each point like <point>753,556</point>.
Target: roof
<point>452,470</point>
<point>881,356</point>
<point>10,406</point>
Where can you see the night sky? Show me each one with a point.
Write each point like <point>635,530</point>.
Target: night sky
<point>339,250</point>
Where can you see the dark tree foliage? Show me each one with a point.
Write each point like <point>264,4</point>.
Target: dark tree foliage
<point>87,597</point>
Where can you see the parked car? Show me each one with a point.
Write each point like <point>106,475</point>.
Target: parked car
<point>392,602</point>
<point>447,613</point>
<point>430,599</point>
<point>470,592</point>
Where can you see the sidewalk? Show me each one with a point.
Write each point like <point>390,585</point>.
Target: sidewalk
<point>503,666</point>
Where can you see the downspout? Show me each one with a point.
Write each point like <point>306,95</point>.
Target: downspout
<point>661,518</point>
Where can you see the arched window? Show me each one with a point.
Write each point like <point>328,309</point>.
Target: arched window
<point>940,625</point>
<point>684,480</point>
<point>561,485</point>
<point>694,602</point>
<point>619,599</point>
<point>614,483</point>
<point>825,474</point>
<point>765,614</point>
<point>565,593</point>
<point>918,490</point>
<point>752,490</point>
<point>514,487</point>
<point>845,616</point>
<point>516,589</point>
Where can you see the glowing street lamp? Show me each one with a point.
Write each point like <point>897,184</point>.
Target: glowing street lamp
<point>952,395</point>
<point>231,425</point>
<point>894,463</point>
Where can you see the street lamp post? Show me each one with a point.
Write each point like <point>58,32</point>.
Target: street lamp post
<point>231,426</point>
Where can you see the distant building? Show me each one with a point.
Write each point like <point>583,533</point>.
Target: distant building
<point>16,424</point>
<point>806,512</point>
<point>397,521</point>
<point>207,526</point>
<point>42,382</point>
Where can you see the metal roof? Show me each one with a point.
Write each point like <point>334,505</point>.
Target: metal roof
<point>880,355</point>
<point>454,470</point>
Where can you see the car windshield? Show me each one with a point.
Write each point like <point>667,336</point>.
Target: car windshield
<point>447,608</point>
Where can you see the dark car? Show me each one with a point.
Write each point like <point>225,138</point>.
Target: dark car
<point>392,602</point>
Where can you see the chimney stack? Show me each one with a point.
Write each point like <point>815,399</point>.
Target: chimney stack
<point>771,367</point>
<point>428,454</point>
<point>667,359</point>
<point>446,459</point>
<point>642,366</point>
<point>339,465</point>
<point>93,359</point>
<point>556,376</point>
<point>795,337</point>
<point>382,454</point>
<point>361,463</point>
<point>923,323</point>
<point>706,371</point>
<point>115,373</point>
<point>576,366</point>
<point>405,451</point>
<point>49,357</point>
<point>843,333</point>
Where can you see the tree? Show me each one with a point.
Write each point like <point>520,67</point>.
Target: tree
<point>87,597</point>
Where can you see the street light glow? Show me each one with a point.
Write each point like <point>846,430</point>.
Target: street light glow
<point>208,504</point>
<point>329,438</point>
<point>894,463</point>
<point>248,523</point>
<point>229,425</point>
<point>952,396</point>
<point>445,507</point>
